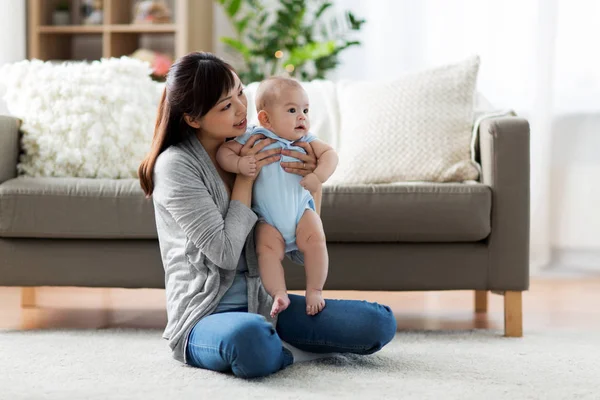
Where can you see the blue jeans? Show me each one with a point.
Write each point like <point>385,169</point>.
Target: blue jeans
<point>247,345</point>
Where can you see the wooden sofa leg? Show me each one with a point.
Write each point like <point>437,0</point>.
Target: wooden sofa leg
<point>481,301</point>
<point>28,297</point>
<point>513,314</point>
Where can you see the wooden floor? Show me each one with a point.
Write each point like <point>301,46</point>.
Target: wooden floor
<point>552,303</point>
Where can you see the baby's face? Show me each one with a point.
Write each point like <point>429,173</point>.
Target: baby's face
<point>288,116</point>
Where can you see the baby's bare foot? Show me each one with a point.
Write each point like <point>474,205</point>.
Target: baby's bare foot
<point>281,301</point>
<point>314,301</point>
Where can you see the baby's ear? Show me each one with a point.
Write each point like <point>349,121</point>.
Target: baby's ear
<point>263,118</point>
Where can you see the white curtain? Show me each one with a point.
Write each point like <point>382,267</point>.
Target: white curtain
<point>539,57</point>
<point>12,36</point>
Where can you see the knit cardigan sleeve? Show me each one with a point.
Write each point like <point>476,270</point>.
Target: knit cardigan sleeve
<point>181,190</point>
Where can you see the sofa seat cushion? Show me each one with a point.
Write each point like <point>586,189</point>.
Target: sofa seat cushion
<point>75,208</point>
<point>80,208</point>
<point>407,212</point>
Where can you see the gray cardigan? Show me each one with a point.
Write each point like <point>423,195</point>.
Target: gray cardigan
<point>201,234</point>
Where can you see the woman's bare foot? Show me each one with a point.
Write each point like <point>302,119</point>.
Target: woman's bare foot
<point>281,301</point>
<point>314,301</point>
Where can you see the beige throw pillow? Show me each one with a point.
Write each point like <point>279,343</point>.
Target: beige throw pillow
<point>416,128</point>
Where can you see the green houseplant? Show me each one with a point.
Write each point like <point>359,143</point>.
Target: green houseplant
<point>302,37</point>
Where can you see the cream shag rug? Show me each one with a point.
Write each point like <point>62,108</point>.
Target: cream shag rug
<point>136,364</point>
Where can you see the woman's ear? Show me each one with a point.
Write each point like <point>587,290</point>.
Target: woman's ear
<point>194,123</point>
<point>263,118</point>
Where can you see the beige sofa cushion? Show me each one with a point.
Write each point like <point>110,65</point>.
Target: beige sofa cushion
<point>407,212</point>
<point>75,208</point>
<point>116,209</point>
<point>415,128</point>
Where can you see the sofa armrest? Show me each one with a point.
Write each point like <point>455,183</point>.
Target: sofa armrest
<point>504,154</point>
<point>9,147</point>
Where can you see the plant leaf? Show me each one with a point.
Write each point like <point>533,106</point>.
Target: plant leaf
<point>322,9</point>
<point>355,23</point>
<point>237,45</point>
<point>310,51</point>
<point>242,23</point>
<point>233,7</point>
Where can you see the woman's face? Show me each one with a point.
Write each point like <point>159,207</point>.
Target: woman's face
<point>228,117</point>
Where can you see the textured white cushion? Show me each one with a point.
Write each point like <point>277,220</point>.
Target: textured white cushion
<point>416,128</point>
<point>92,120</point>
<point>323,111</point>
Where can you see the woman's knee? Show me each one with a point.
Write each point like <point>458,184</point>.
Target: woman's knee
<point>256,349</point>
<point>382,326</point>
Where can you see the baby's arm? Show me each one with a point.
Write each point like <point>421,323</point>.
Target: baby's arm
<point>228,156</point>
<point>229,159</point>
<point>327,160</point>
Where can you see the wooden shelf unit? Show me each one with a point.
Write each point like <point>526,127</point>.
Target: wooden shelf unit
<point>191,30</point>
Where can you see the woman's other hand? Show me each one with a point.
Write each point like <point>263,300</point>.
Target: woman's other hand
<point>307,163</point>
<point>261,157</point>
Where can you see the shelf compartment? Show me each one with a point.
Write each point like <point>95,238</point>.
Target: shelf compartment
<point>41,10</point>
<point>70,47</point>
<point>125,43</point>
<point>122,11</point>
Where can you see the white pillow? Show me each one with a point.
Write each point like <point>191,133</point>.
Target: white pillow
<point>323,110</point>
<point>92,120</point>
<point>416,128</point>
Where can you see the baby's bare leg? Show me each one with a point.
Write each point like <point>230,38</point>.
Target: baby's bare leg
<point>310,239</point>
<point>270,249</point>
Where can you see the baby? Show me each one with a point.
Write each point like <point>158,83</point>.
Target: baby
<point>288,223</point>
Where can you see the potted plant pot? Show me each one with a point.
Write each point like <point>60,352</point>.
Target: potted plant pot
<point>61,14</point>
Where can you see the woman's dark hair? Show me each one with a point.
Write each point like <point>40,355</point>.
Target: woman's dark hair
<point>194,85</point>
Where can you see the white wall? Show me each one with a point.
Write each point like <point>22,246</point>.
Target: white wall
<point>575,181</point>
<point>12,36</point>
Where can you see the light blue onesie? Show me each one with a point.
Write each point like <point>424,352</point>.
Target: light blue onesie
<point>277,197</point>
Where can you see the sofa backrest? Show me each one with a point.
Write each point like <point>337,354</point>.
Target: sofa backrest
<point>324,109</point>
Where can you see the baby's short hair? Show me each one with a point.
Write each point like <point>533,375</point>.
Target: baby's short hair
<point>268,90</point>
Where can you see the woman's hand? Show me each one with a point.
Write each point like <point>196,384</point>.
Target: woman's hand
<point>307,163</point>
<point>261,157</point>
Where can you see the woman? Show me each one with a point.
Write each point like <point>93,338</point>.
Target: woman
<point>218,310</point>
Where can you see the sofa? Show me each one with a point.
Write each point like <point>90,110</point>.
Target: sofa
<point>411,236</point>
